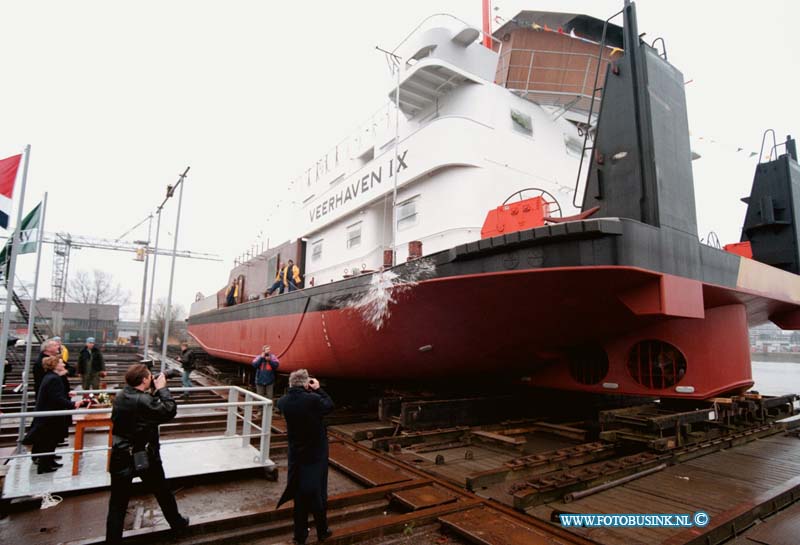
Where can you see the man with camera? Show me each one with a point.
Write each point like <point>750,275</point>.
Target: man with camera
<point>266,365</point>
<point>303,407</point>
<point>139,408</point>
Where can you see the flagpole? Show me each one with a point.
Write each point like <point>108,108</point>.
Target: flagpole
<point>152,285</point>
<point>168,313</point>
<point>12,267</point>
<point>144,282</point>
<point>31,325</point>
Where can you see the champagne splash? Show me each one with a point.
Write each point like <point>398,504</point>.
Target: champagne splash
<point>375,305</point>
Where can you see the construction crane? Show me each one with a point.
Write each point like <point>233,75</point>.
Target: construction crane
<point>64,243</point>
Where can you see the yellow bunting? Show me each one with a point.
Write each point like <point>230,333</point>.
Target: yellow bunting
<point>615,50</point>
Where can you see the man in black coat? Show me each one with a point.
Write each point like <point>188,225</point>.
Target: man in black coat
<point>91,365</point>
<point>136,416</point>
<point>303,407</point>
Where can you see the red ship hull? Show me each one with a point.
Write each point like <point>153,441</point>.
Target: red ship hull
<point>521,323</point>
<point>596,328</point>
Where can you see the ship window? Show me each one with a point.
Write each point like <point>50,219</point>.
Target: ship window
<point>354,235</point>
<point>522,122</point>
<point>421,54</point>
<point>316,250</point>
<point>407,214</point>
<point>574,145</point>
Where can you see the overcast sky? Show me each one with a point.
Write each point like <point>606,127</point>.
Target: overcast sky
<point>116,99</point>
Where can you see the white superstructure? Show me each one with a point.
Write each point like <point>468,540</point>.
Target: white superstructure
<point>465,145</point>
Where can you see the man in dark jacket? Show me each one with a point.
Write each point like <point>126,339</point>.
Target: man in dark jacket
<point>187,362</point>
<point>303,408</point>
<point>266,366</point>
<point>136,416</point>
<point>91,366</point>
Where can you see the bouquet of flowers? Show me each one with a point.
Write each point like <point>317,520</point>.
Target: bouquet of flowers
<point>100,400</point>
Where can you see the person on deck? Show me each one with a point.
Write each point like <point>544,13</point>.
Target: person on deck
<point>91,365</point>
<point>278,284</point>
<point>232,294</point>
<point>291,276</point>
<point>303,407</point>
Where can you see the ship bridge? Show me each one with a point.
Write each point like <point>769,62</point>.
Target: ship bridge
<point>552,59</point>
<point>435,61</point>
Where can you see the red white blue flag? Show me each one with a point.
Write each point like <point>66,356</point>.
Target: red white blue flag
<point>8,175</point>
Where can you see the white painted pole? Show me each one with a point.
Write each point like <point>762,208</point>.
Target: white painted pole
<point>152,285</point>
<point>396,164</point>
<point>31,324</point>
<point>168,314</point>
<point>12,268</point>
<point>144,281</point>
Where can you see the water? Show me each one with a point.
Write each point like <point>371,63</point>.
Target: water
<point>375,305</point>
<point>776,377</point>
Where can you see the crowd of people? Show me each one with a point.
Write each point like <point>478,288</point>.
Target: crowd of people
<point>145,403</point>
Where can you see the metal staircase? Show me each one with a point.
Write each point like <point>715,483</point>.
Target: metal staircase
<point>41,329</point>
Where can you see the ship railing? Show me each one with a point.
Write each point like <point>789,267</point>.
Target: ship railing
<point>357,144</point>
<point>551,78</point>
<point>447,20</point>
<point>250,429</point>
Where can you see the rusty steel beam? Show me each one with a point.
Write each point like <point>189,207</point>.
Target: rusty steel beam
<point>537,464</point>
<point>218,522</point>
<point>558,534</point>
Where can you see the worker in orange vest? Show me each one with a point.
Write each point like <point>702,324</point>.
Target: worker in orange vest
<point>291,276</point>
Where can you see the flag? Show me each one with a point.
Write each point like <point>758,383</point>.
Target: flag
<point>28,239</point>
<point>29,231</point>
<point>8,175</point>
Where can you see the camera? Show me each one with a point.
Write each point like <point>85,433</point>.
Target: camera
<point>168,374</point>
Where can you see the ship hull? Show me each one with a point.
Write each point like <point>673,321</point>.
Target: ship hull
<point>517,308</point>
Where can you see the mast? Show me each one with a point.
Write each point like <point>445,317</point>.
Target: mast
<point>487,23</point>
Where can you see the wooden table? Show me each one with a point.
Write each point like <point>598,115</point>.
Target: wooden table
<point>84,421</point>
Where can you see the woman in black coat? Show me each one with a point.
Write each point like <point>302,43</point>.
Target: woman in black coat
<point>47,431</point>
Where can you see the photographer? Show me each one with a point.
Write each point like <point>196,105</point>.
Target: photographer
<point>265,364</point>
<point>303,407</point>
<point>136,416</point>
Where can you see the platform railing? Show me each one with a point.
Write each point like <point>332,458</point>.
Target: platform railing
<point>249,400</point>
<point>551,77</point>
